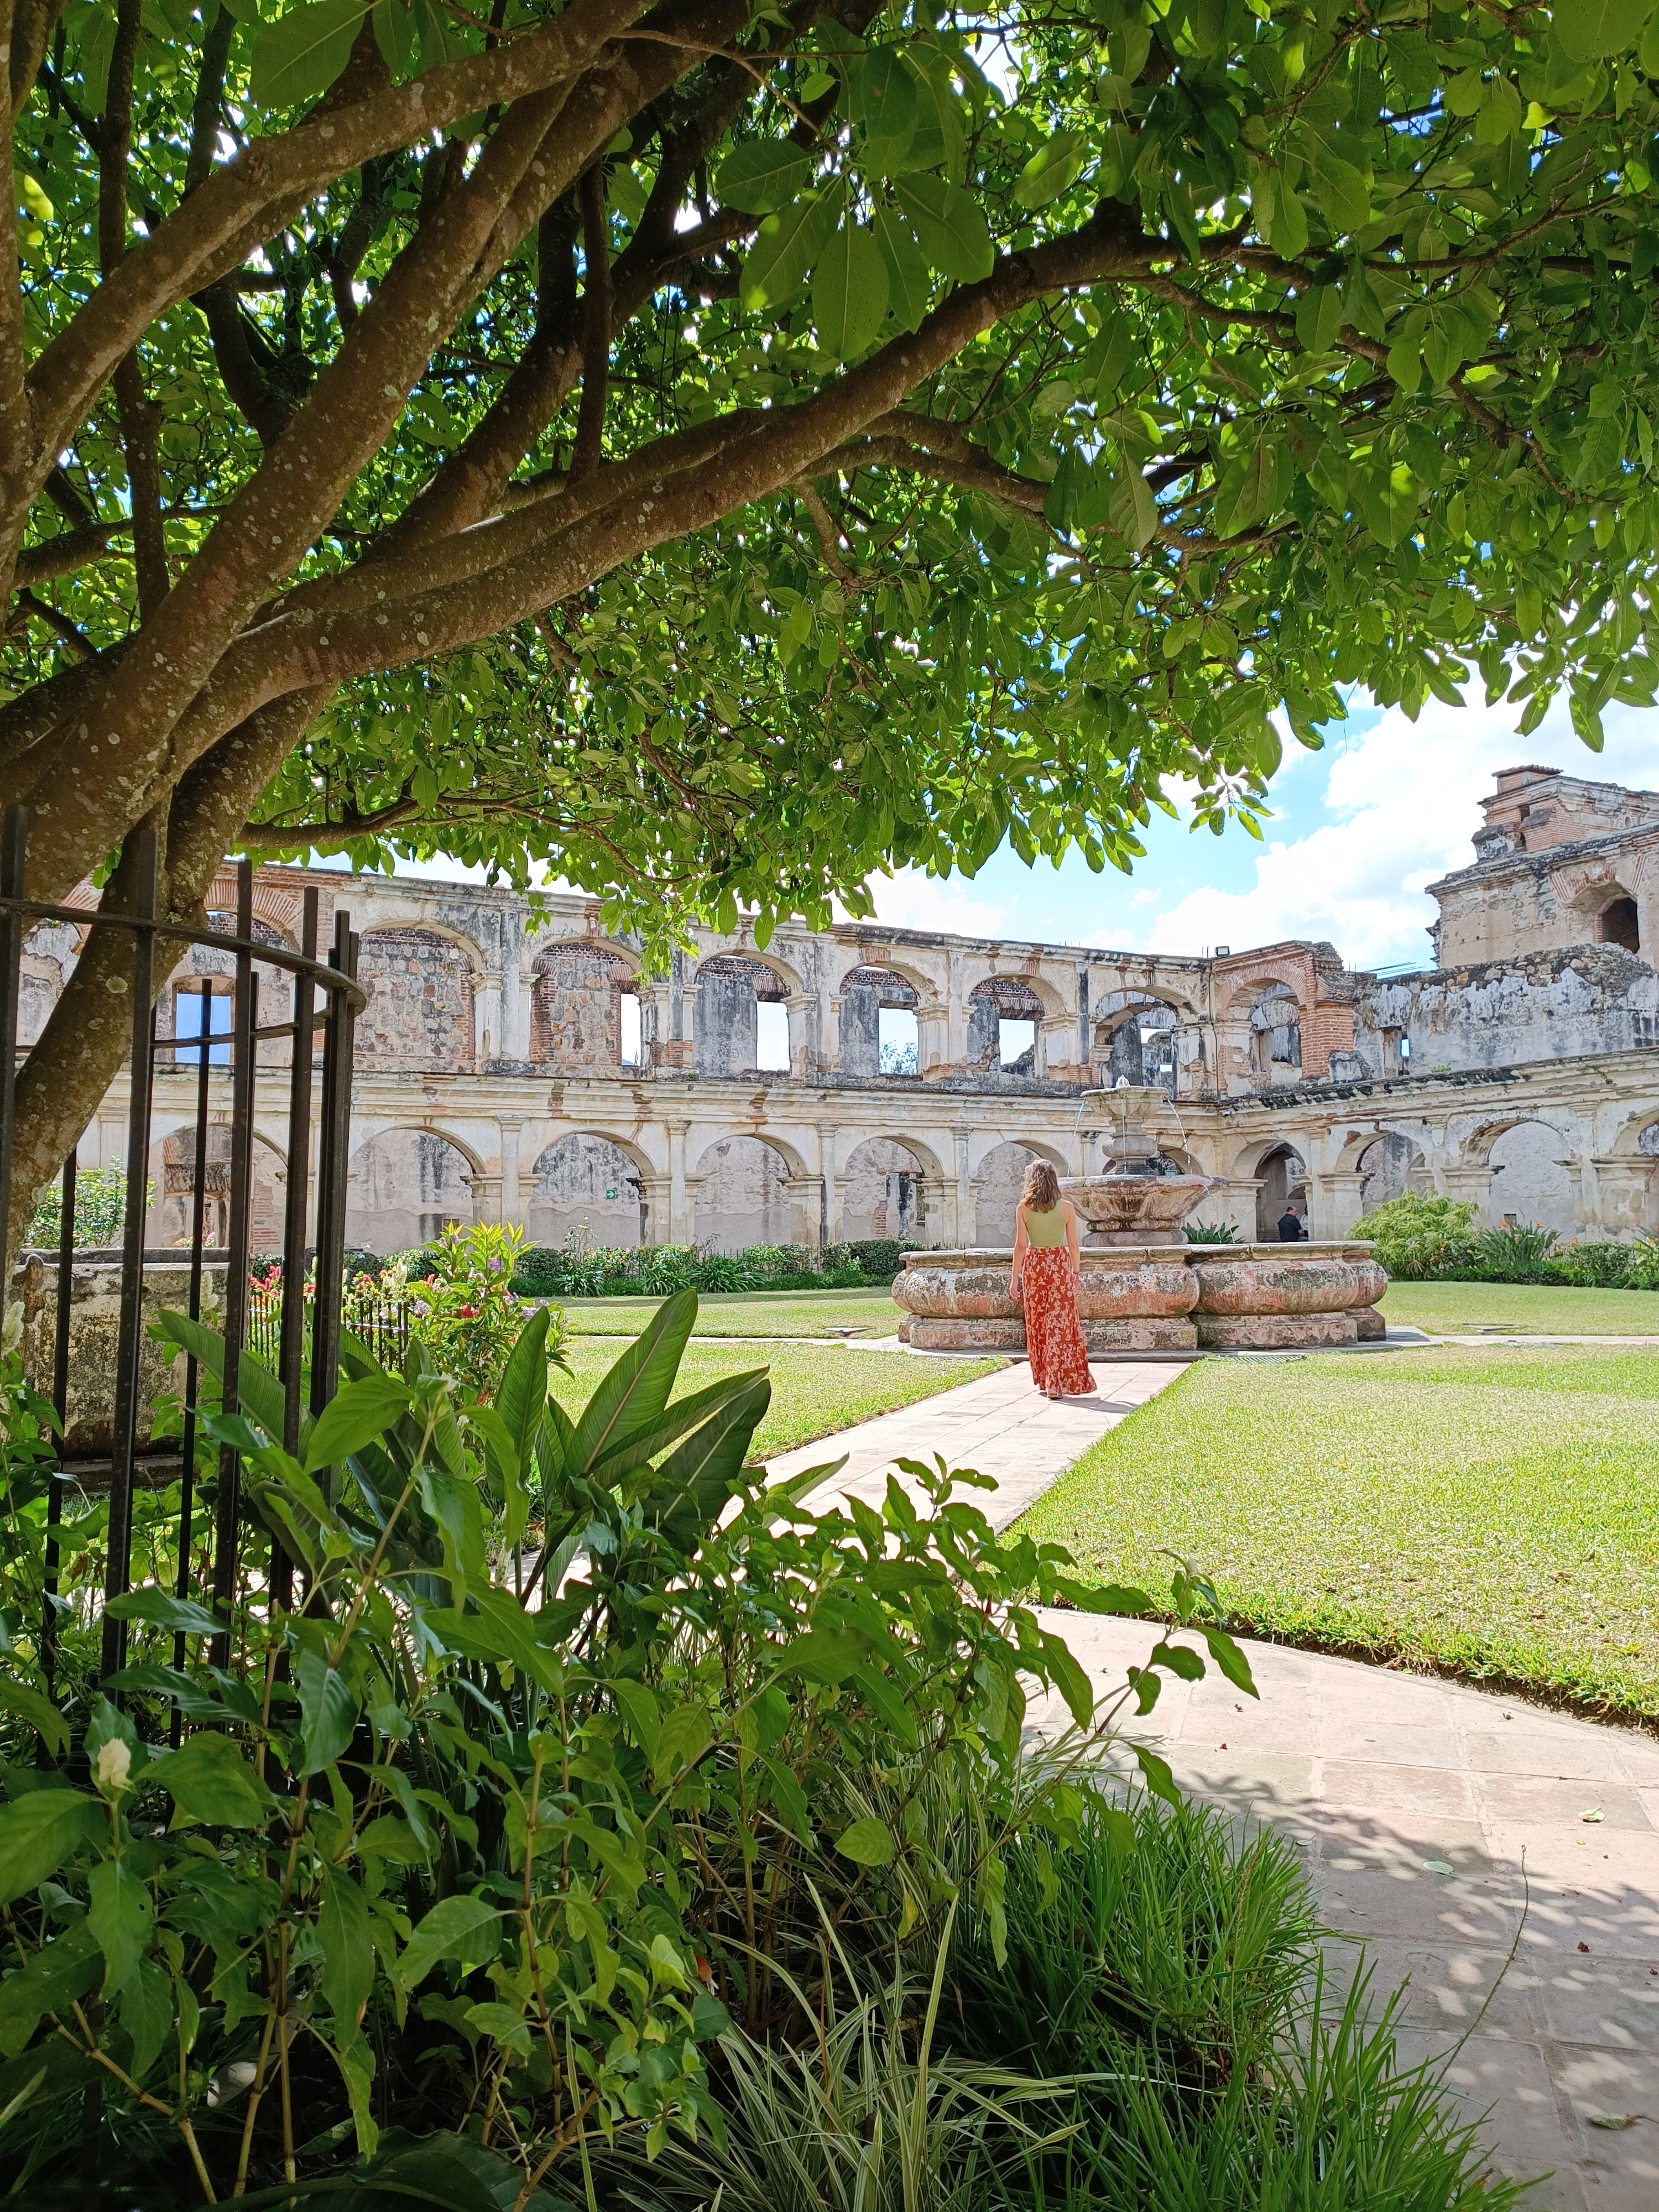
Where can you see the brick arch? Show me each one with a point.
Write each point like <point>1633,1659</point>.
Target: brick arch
<point>575,1008</point>
<point>421,991</point>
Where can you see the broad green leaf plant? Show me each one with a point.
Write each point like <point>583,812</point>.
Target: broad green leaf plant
<point>727,452</point>
<point>579,1736</point>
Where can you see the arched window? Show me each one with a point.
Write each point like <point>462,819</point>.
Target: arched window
<point>1619,924</point>
<point>879,1034</point>
<point>1003,1014</point>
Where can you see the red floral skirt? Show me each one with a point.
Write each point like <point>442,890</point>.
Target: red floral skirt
<point>1053,1339</point>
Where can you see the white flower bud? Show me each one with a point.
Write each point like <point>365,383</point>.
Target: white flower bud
<point>112,1766</point>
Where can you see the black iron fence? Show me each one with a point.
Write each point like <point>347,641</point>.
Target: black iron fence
<point>380,1319</point>
<point>303,1346</point>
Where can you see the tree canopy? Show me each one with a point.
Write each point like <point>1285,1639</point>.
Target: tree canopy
<point>724,449</point>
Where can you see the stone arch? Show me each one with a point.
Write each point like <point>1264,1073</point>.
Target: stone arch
<point>743,1195</point>
<point>866,994</point>
<point>1272,1013</point>
<point>1391,1165</point>
<point>882,1184</point>
<point>1134,1037</point>
<point>404,1186</point>
<point>996,999</point>
<point>1283,1173</point>
<point>575,1006</point>
<point>422,1010</point>
<point>1530,1177</point>
<point>997,1187</point>
<point>588,1182</point>
<point>172,1183</point>
<point>1620,921</point>
<point>216,968</point>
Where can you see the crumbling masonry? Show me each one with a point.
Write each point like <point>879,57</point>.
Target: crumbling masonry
<point>868,1082</point>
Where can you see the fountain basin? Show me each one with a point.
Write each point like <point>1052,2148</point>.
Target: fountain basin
<point>1168,1300</point>
<point>1135,1209</point>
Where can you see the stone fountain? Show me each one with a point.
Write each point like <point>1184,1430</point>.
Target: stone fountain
<point>1146,1293</point>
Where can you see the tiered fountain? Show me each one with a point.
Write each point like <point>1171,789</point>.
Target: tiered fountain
<point>1144,1294</point>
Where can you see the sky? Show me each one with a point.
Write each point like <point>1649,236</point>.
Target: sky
<point>1357,832</point>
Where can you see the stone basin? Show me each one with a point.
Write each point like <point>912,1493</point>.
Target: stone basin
<point>1157,1300</point>
<point>1135,1209</point>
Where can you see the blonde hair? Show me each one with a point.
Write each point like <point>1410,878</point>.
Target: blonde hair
<point>1041,1190</point>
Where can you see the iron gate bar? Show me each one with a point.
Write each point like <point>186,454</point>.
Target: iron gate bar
<point>291,1347</point>
<point>14,843</point>
<point>124,1442</point>
<point>59,1474</point>
<point>272,956</point>
<point>197,1229</point>
<point>338,1049</point>
<point>243,1021</point>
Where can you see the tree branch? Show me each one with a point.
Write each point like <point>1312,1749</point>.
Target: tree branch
<point>141,421</point>
<point>596,324</point>
<point>43,611</point>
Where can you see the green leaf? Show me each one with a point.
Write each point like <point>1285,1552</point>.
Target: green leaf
<point>121,1917</point>
<point>394,29</point>
<point>495,1625</point>
<point>1103,1597</point>
<point>884,1696</point>
<point>1155,1772</point>
<point>685,1413</point>
<point>1342,190</point>
<point>1053,167</point>
<point>867,1842</point>
<point>825,1655</point>
<point>1245,493</point>
<point>910,286</point>
<point>61,1971</point>
<point>1319,318</point>
<point>520,1405</point>
<point>779,263</point>
<point>261,1395</point>
<point>1601,28</point>
<point>146,2015</point>
<point>299,55</point>
<point>162,1610</point>
<point>356,1414</point>
<point>348,1969</point>
<point>40,1713</point>
<point>884,99</point>
<point>849,292</point>
<point>209,1779</point>
<point>631,1396</point>
<point>760,175</point>
<point>39,1831</point>
<point>788,1796</point>
<point>643,1719</point>
<point>328,1708</point>
<point>684,1737</point>
<point>690,1489</point>
<point>1133,511</point>
<point>1230,1660</point>
<point>950,226</point>
<point>446,1932</point>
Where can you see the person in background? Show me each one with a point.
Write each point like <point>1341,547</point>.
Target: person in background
<point>1046,1276</point>
<point>1291,1230</point>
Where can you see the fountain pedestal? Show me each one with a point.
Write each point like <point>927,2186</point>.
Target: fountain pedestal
<point>1166,1301</point>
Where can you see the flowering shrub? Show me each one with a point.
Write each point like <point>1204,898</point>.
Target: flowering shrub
<point>466,1310</point>
<point>101,1207</point>
<point>579,1269</point>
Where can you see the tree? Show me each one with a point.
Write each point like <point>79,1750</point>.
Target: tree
<point>724,450</point>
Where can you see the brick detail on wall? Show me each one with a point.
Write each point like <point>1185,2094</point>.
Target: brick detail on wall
<point>420,1011</point>
<point>575,1020</point>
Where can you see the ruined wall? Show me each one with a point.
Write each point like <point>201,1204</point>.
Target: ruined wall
<point>881,1192</point>
<point>420,1000</point>
<point>1548,1005</point>
<point>743,1196</point>
<point>576,1020</point>
<point>727,1025</point>
<point>585,1186</point>
<point>1001,1179</point>
<point>404,1187</point>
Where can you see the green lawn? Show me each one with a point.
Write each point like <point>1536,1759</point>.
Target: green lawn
<point>1446,1308</point>
<point>745,1313</point>
<point>1491,1511</point>
<point>816,1388</point>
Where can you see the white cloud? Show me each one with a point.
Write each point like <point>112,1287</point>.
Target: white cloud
<point>912,900</point>
<point>1402,800</point>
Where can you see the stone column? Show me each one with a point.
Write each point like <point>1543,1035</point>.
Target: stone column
<point>1590,1195</point>
<point>523,1019</point>
<point>806,1207</point>
<point>511,1190</point>
<point>679,1199</point>
<point>801,1008</point>
<point>933,1036</point>
<point>1334,1204</point>
<point>834,1188</point>
<point>963,1228</point>
<point>490,1018</point>
<point>1054,1036</point>
<point>657,1200</point>
<point>486,1197</point>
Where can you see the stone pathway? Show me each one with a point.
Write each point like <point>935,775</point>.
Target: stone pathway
<point>999,1425</point>
<point>1440,1825</point>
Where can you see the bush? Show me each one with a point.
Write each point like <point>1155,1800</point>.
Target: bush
<point>100,1205</point>
<point>1212,1232</point>
<point>1519,1252</point>
<point>1592,1265</point>
<point>579,1269</point>
<point>1417,1236</point>
<point>878,1259</point>
<point>1642,1269</point>
<point>584,1736</point>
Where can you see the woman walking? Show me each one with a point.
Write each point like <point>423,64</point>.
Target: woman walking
<point>1046,1276</point>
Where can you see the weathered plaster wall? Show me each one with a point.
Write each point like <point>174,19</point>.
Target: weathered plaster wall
<point>1539,1006</point>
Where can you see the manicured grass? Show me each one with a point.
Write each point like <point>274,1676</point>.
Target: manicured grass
<point>1491,1511</point>
<point>745,1313</point>
<point>1448,1308</point>
<point>817,1388</point>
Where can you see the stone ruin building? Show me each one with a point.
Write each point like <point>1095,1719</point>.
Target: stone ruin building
<point>868,1082</point>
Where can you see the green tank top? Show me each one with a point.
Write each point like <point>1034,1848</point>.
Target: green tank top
<point>1044,1230</point>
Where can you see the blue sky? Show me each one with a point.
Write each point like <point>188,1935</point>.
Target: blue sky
<point>1357,832</point>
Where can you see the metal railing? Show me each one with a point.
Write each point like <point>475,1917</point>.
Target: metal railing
<point>326,1000</point>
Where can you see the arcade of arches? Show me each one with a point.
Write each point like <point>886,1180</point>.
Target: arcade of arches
<point>869,1082</point>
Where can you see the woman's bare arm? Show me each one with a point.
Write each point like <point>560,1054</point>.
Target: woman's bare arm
<point>1070,1213</point>
<point>1019,1250</point>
